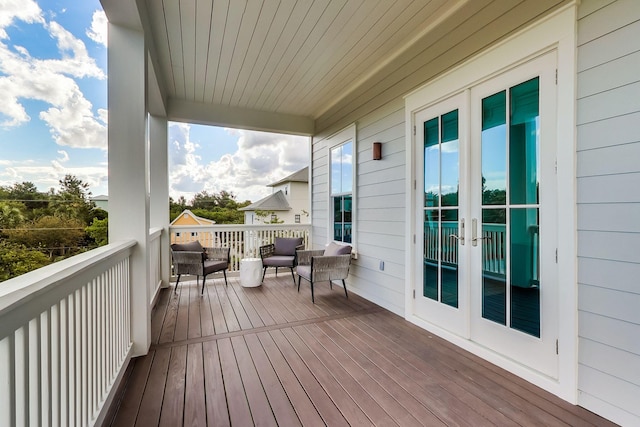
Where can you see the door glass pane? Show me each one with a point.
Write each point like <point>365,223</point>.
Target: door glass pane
<point>494,149</point>
<point>449,257</point>
<point>525,268</point>
<point>431,163</point>
<point>494,255</point>
<point>431,254</point>
<point>450,159</point>
<point>524,146</point>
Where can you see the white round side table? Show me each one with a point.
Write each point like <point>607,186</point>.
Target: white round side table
<point>250,272</point>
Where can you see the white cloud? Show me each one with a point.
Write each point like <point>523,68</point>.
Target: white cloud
<point>64,156</point>
<point>70,118</point>
<point>262,158</point>
<point>98,30</point>
<point>23,10</point>
<point>48,176</point>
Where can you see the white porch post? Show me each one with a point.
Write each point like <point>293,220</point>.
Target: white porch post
<point>128,169</point>
<point>159,188</point>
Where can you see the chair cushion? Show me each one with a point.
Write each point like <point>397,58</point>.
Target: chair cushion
<point>278,261</point>
<point>336,249</point>
<point>304,271</point>
<point>194,246</point>
<point>211,266</point>
<point>287,245</point>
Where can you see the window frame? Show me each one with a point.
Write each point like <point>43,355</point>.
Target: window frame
<point>341,138</point>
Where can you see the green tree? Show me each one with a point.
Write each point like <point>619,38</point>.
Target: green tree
<point>16,260</point>
<point>73,200</point>
<point>26,193</point>
<point>53,234</point>
<point>11,214</point>
<point>99,231</point>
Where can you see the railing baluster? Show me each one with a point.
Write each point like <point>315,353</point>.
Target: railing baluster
<point>7,371</point>
<point>45,368</point>
<point>22,376</point>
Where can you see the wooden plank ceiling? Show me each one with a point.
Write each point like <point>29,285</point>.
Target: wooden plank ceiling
<point>282,56</point>
<point>251,63</point>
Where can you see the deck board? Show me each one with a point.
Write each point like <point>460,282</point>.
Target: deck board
<point>151,404</point>
<point>268,356</point>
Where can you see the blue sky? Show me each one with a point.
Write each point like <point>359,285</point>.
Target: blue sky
<point>53,112</point>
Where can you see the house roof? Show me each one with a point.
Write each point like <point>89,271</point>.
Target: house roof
<point>198,219</point>
<point>300,176</point>
<point>303,65</point>
<point>273,202</point>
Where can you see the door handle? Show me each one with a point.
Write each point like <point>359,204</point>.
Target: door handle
<point>460,238</point>
<point>474,233</point>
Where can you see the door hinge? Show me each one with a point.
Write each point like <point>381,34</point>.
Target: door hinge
<point>556,76</point>
<point>557,350</point>
<point>414,294</point>
<point>556,166</point>
<point>414,130</point>
<point>414,239</point>
<point>556,255</point>
<point>415,184</point>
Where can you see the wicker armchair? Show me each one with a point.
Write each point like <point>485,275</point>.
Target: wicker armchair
<point>192,258</point>
<point>329,264</point>
<point>282,253</point>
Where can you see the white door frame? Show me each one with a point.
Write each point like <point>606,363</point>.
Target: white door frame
<point>555,33</point>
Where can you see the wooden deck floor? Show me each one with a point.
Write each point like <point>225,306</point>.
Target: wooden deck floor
<point>268,356</point>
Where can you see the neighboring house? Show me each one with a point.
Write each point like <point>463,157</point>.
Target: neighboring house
<point>101,202</point>
<point>289,202</point>
<point>188,219</point>
<point>503,213</point>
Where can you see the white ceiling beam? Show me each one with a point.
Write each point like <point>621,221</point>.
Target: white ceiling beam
<point>180,110</point>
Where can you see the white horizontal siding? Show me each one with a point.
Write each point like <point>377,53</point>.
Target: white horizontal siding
<point>380,204</point>
<point>608,179</point>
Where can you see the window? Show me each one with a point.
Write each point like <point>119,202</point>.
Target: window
<point>342,191</point>
<point>194,234</point>
<point>177,234</point>
<point>297,219</point>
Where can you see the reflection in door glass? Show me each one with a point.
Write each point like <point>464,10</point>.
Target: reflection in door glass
<point>431,163</point>
<point>524,143</point>
<point>525,268</point>
<point>449,257</point>
<point>441,182</point>
<point>450,163</point>
<point>510,197</point>
<point>431,254</point>
<point>494,149</point>
<point>494,271</point>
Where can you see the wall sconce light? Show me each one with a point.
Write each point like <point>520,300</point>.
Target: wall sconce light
<point>377,150</point>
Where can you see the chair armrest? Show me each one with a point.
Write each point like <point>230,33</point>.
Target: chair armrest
<point>267,250</point>
<point>218,253</point>
<point>304,256</point>
<point>332,267</point>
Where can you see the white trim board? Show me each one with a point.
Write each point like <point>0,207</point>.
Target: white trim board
<point>555,33</point>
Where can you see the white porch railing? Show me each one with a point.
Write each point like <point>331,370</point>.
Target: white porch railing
<point>155,265</point>
<point>65,339</point>
<point>494,261</point>
<point>244,240</point>
<point>494,255</point>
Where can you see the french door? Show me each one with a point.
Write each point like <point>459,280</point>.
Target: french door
<point>486,263</point>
